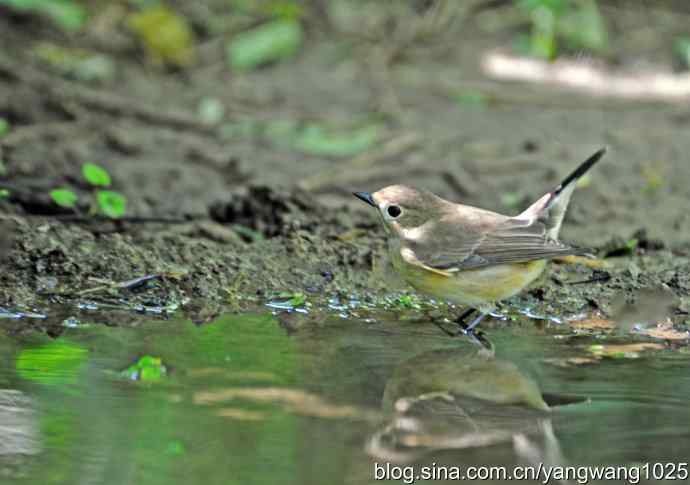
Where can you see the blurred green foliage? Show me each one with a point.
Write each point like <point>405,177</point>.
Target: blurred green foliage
<point>175,448</point>
<point>557,25</point>
<point>270,42</point>
<point>653,176</point>
<point>55,363</point>
<point>293,299</point>
<point>472,99</point>
<point>407,302</point>
<point>681,49</point>
<point>284,9</point>
<point>165,35</point>
<point>67,14</point>
<point>315,139</point>
<point>320,140</point>
<point>211,111</point>
<point>4,127</point>
<point>312,138</point>
<point>79,64</point>
<point>298,299</point>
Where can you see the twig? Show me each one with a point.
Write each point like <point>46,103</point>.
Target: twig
<point>123,285</point>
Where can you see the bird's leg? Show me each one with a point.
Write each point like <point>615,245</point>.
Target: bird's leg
<point>477,336</point>
<point>475,322</point>
<point>461,319</point>
<point>469,330</point>
<point>460,322</point>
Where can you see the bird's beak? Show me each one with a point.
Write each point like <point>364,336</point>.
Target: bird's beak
<point>366,197</point>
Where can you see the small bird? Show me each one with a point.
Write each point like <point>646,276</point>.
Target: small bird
<point>471,256</point>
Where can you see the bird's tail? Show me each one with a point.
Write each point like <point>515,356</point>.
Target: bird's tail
<point>550,209</point>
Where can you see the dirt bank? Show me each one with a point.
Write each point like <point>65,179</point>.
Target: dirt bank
<point>247,217</point>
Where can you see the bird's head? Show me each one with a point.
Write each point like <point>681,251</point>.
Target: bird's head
<point>404,209</point>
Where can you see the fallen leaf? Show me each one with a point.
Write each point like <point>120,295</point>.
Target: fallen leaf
<point>593,323</point>
<point>594,263</point>
<point>666,331</point>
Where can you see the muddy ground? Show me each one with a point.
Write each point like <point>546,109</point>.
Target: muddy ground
<point>245,219</point>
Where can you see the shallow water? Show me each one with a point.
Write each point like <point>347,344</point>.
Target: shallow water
<point>245,401</point>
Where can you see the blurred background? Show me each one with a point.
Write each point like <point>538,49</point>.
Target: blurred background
<point>484,101</point>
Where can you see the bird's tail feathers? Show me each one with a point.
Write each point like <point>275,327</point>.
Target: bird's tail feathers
<point>579,172</point>
<point>550,208</point>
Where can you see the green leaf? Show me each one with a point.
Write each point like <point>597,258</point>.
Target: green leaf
<point>64,198</point>
<point>67,14</point>
<point>211,110</point>
<point>298,299</point>
<point>681,49</point>
<point>284,9</point>
<point>166,36</point>
<point>147,368</point>
<point>543,37</point>
<point>270,42</point>
<point>175,448</point>
<point>316,140</point>
<point>96,175</point>
<point>4,193</point>
<point>4,127</point>
<point>248,233</point>
<point>556,6</point>
<point>577,24</point>
<point>408,301</point>
<point>76,63</point>
<point>631,244</point>
<point>473,99</point>
<point>112,204</point>
<point>583,27</point>
<point>239,129</point>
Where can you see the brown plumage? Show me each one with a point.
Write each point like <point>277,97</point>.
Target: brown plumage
<point>470,255</point>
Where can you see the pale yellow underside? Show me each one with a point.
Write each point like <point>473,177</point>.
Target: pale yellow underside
<point>475,287</point>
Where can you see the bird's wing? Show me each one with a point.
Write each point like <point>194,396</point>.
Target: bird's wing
<point>510,241</point>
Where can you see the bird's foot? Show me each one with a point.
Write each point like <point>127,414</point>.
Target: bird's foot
<point>478,337</point>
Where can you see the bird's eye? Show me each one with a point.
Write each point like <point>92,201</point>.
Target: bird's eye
<point>394,211</point>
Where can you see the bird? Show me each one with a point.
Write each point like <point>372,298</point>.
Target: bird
<point>471,256</point>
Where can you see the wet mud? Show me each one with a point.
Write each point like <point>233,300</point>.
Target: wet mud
<point>224,222</point>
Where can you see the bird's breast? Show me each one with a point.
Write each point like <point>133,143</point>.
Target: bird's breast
<point>471,287</point>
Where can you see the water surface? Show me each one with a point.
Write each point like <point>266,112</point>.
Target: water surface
<point>246,401</point>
